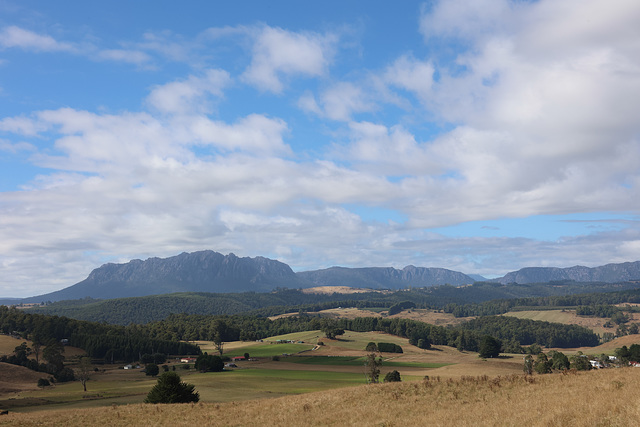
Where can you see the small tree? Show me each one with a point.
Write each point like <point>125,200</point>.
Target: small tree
<point>151,369</point>
<point>580,362</point>
<point>169,389</point>
<point>83,371</point>
<point>559,361</point>
<point>528,364</point>
<point>542,365</point>
<point>392,377</point>
<point>246,356</point>
<point>43,382</point>
<point>372,368</point>
<point>371,347</point>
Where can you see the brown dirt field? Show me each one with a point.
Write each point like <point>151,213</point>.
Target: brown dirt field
<point>14,379</point>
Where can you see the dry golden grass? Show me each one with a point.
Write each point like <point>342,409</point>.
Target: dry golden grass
<point>8,344</point>
<point>597,398</point>
<point>341,290</point>
<point>14,379</point>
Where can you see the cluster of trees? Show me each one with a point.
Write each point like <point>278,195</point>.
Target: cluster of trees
<point>389,347</point>
<point>630,354</point>
<point>109,342</point>
<point>600,304</point>
<point>209,363</point>
<point>50,360</point>
<point>555,361</point>
<point>398,308</point>
<point>513,332</point>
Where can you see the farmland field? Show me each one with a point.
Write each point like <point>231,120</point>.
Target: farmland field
<point>567,317</point>
<point>337,364</point>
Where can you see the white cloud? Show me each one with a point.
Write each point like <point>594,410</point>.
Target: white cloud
<point>16,37</point>
<point>278,53</point>
<point>538,113</point>
<point>412,75</point>
<point>185,96</point>
<point>338,102</point>
<point>10,147</point>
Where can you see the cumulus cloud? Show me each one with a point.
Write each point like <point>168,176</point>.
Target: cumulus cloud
<point>536,113</point>
<point>279,53</point>
<point>185,96</point>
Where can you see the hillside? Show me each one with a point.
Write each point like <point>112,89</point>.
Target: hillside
<point>156,307</point>
<point>385,277</point>
<point>549,400</point>
<point>627,271</point>
<point>204,271</point>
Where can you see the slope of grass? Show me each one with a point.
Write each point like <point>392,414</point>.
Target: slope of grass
<point>550,400</point>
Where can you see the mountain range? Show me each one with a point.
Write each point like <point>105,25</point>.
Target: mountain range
<point>209,271</point>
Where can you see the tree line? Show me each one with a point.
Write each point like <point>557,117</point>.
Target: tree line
<point>481,298</point>
<point>99,340</point>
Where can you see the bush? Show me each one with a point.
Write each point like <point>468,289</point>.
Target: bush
<point>392,377</point>
<point>151,370</point>
<point>43,382</point>
<point>169,389</point>
<point>371,347</point>
<point>275,358</point>
<point>388,347</point>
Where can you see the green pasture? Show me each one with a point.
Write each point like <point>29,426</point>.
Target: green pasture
<point>359,361</point>
<point>328,360</point>
<point>268,350</point>
<point>244,384</point>
<point>400,364</point>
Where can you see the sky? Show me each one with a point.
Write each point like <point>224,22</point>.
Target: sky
<point>481,136</point>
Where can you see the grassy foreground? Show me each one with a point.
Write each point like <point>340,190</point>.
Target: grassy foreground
<point>604,398</point>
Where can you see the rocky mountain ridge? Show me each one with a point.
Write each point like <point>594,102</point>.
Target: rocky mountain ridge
<point>209,271</point>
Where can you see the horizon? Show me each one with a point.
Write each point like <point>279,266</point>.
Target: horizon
<point>479,137</point>
<point>295,271</point>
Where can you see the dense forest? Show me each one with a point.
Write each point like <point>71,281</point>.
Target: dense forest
<point>481,298</point>
<point>589,304</point>
<point>99,340</point>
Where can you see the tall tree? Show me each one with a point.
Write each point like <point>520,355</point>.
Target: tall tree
<point>372,367</point>
<point>489,347</point>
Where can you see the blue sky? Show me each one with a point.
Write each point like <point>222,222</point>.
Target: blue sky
<point>481,136</point>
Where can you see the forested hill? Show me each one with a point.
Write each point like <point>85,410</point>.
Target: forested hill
<point>153,308</point>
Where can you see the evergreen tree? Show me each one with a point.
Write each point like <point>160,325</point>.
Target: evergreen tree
<point>169,389</point>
